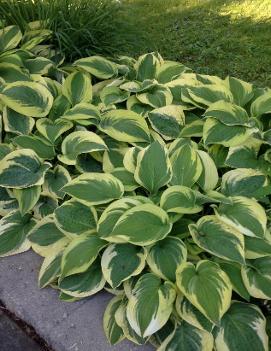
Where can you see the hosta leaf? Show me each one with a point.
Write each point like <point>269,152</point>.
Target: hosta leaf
<point>125,126</point>
<point>121,261</point>
<point>22,169</point>
<point>157,96</point>
<point>150,305</point>
<point>75,218</point>
<point>218,238</point>
<point>113,95</point>
<point>80,142</point>
<point>16,123</point>
<point>245,215</point>
<point>215,132</point>
<point>50,269</point>
<point>147,66</point>
<point>165,256</point>
<point>45,232</point>
<point>261,105</point>
<point>87,247</point>
<point>94,188</point>
<point>209,176</point>
<point>12,73</point>
<point>167,121</point>
<point>205,95</point>
<point>233,271</point>
<point>112,159</point>
<point>77,87</point>
<point>52,130</point>
<point>14,229</point>
<point>130,159</point>
<point>84,284</point>
<point>28,98</point>
<point>242,181</point>
<point>206,279</point>
<point>41,147</point>
<point>169,70</point>
<point>242,91</point>
<point>39,65</point>
<point>27,198</point>
<point>133,104</point>
<point>127,178</point>
<point>244,156</point>
<point>9,37</point>
<point>83,113</point>
<point>55,179</point>
<point>8,203</point>
<point>180,199</point>
<point>242,328</point>
<point>191,314</point>
<point>228,113</point>
<point>257,277</point>
<point>60,105</point>
<point>141,225</point>
<point>153,169</point>
<point>113,332</point>
<point>113,212</point>
<point>257,247</point>
<point>186,163</point>
<point>45,205</point>
<point>188,338</point>
<point>97,66</point>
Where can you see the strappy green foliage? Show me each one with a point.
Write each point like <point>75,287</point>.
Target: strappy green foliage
<point>145,179</point>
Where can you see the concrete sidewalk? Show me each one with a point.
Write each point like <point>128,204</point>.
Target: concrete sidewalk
<point>64,326</point>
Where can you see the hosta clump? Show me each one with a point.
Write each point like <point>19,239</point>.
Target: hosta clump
<point>145,179</point>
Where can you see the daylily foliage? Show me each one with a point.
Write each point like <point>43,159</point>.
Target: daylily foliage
<point>142,178</point>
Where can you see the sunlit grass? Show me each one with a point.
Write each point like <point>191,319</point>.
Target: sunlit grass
<point>212,36</point>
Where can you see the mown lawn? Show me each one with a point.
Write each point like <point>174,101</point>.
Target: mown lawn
<point>211,36</point>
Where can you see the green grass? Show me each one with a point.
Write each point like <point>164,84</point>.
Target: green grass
<point>218,37</point>
<point>80,27</point>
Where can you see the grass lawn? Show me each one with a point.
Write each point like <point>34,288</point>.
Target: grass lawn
<point>211,36</point>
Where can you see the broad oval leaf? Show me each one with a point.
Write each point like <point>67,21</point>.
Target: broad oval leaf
<point>257,277</point>
<point>185,161</point>
<point>22,169</point>
<point>77,87</point>
<point>14,229</point>
<point>28,98</point>
<point>165,256</point>
<point>86,248</point>
<point>189,338</point>
<point>153,169</point>
<point>121,261</point>
<point>191,314</point>
<point>94,188</point>
<point>80,142</point>
<point>113,332</point>
<point>242,328</point>
<point>207,287</point>
<point>150,305</point>
<point>84,284</point>
<point>75,218</point>
<point>141,225</point>
<point>167,121</point>
<point>125,125</point>
<point>242,181</point>
<point>219,239</point>
<point>180,199</point>
<point>97,66</point>
<point>245,215</point>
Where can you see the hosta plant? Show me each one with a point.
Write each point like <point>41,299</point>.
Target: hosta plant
<point>145,179</point>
